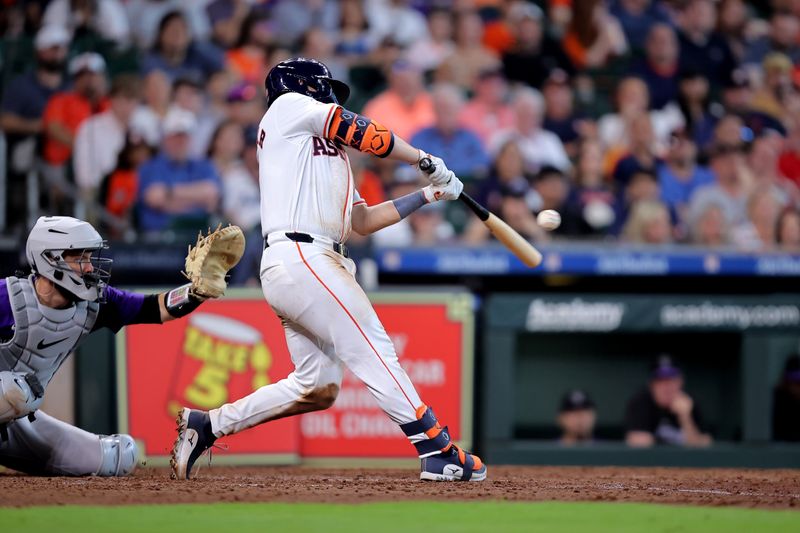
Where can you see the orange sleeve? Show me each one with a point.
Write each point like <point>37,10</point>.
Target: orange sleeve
<point>574,50</point>
<point>360,132</point>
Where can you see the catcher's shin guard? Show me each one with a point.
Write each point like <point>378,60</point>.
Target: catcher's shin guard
<point>441,459</point>
<point>119,455</point>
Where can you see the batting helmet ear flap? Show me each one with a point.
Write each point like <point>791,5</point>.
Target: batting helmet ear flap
<point>340,90</point>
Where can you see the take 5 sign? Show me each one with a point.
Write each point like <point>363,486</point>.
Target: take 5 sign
<point>231,347</point>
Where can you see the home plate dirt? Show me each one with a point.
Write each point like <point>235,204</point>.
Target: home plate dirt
<point>742,488</point>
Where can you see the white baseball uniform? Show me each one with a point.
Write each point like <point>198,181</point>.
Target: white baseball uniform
<point>307,186</point>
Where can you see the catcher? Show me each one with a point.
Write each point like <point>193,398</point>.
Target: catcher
<point>45,316</point>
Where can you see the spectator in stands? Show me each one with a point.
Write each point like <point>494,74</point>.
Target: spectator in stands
<point>106,19</point>
<point>405,104</point>
<point>247,58</point>
<point>659,66</point>
<point>539,147</point>
<point>176,54</point>
<point>399,21</point>
<point>175,191</point>
<point>156,95</point>
<point>694,100</point>
<point>789,161</point>
<point>550,190</point>
<point>648,223</point>
<point>118,192</point>
<point>226,18</point>
<point>679,175</point>
<point>101,137</point>
<point>591,206</point>
<point>737,97</point>
<point>245,104</point>
<point>534,54</point>
<point>643,154</point>
<point>428,54</point>
<point>594,37</point>
<point>560,115</point>
<point>146,15</point>
<point>24,101</point>
<point>187,94</point>
<point>642,187</point>
<point>292,18</point>
<point>25,97</point>
<point>460,147</point>
<point>729,191</point>
<point>638,18</point>
<point>733,26</point>
<point>771,98</point>
<point>354,39</point>
<point>663,413</point>
<point>786,403</point>
<point>66,111</point>
<point>488,112</point>
<point>232,152</point>
<point>507,172</point>
<point>787,233</point>
<point>701,48</point>
<point>576,419</point>
<point>319,45</point>
<point>709,228</point>
<point>632,102</point>
<point>764,171</point>
<point>783,36</point>
<point>470,57</point>
<point>758,232</point>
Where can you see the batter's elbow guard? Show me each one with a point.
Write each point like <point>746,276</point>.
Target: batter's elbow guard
<point>360,132</point>
<point>119,455</point>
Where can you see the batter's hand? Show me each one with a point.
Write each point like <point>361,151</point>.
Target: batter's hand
<point>450,191</point>
<point>441,175</point>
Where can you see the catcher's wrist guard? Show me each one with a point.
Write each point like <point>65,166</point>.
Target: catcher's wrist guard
<point>180,302</point>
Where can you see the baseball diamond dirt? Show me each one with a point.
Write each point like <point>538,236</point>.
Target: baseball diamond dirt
<point>716,487</point>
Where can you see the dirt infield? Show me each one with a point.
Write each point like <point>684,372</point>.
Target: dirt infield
<point>743,488</point>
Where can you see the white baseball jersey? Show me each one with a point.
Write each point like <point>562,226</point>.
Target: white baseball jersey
<point>305,179</point>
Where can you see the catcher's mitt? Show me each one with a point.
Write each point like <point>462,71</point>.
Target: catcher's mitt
<point>211,258</point>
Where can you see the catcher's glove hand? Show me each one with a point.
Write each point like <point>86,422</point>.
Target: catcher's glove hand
<point>211,258</point>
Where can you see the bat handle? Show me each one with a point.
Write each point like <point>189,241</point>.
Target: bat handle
<point>476,208</point>
<point>426,165</point>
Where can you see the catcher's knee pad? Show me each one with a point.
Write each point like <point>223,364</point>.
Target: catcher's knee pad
<point>16,397</point>
<point>119,455</point>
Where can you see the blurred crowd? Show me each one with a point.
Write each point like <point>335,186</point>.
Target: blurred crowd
<point>642,121</point>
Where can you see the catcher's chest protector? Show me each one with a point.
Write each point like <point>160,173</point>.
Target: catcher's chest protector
<point>43,336</point>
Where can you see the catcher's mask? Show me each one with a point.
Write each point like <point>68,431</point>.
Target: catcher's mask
<point>305,76</point>
<point>69,252</point>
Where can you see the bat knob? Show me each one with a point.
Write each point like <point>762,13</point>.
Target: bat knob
<point>426,165</point>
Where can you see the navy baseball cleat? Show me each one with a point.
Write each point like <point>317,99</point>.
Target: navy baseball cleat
<point>453,464</point>
<point>194,438</point>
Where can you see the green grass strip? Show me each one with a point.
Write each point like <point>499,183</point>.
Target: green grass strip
<point>405,517</point>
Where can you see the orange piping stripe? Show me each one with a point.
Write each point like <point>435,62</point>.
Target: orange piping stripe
<point>347,195</point>
<point>354,322</point>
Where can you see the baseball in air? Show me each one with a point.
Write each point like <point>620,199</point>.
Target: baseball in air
<point>548,219</point>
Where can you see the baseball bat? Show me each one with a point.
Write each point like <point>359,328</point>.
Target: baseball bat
<point>512,240</point>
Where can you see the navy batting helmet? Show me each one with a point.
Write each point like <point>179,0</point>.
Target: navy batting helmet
<point>305,76</point>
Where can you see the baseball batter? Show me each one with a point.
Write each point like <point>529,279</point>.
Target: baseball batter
<point>308,208</point>
<point>43,318</point>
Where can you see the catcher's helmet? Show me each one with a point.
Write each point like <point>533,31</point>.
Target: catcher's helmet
<point>51,237</point>
<point>305,76</point>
